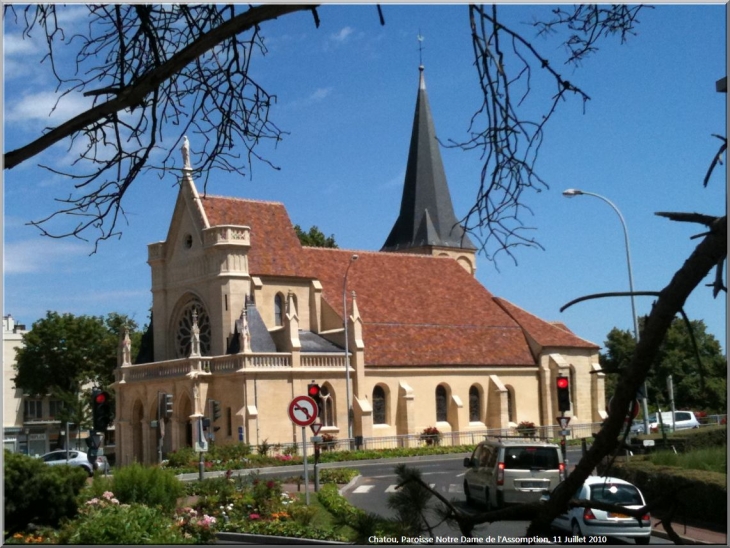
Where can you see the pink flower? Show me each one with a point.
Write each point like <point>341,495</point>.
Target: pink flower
<point>108,495</point>
<point>254,516</point>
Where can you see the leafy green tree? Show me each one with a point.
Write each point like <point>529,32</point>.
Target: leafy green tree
<point>676,357</point>
<point>35,492</point>
<point>63,352</point>
<point>315,237</point>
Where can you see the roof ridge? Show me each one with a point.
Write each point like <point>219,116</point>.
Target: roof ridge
<point>238,199</point>
<point>380,253</point>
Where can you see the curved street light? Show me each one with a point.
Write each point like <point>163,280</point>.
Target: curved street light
<point>347,357</point>
<point>571,192</point>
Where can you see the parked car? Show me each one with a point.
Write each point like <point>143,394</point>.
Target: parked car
<point>591,522</point>
<point>637,427</point>
<point>75,458</point>
<point>510,471</point>
<point>682,420</point>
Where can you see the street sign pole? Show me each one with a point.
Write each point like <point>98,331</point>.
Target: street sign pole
<point>306,470</point>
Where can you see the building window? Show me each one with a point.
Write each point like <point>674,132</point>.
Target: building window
<point>441,409</point>
<point>185,328</point>
<point>55,409</point>
<point>278,309</point>
<point>326,406</point>
<point>510,404</point>
<point>475,404</point>
<point>379,415</point>
<point>33,409</point>
<point>229,422</point>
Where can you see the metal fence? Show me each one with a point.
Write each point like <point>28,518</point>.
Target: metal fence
<point>467,439</point>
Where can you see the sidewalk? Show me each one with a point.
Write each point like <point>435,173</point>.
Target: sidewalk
<point>689,534</point>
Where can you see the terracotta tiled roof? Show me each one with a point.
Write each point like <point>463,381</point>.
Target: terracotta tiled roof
<point>416,309</point>
<point>420,310</point>
<point>542,332</point>
<point>275,246</point>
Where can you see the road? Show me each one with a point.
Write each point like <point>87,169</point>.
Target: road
<point>444,474</point>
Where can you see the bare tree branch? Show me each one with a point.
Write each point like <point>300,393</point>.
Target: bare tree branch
<point>510,141</point>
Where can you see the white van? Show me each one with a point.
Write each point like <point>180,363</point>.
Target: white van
<point>512,471</point>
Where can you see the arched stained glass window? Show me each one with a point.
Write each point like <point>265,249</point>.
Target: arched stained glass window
<point>441,408</point>
<point>475,404</point>
<point>379,412</point>
<point>279,309</point>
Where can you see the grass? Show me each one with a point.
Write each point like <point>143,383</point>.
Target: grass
<point>712,459</point>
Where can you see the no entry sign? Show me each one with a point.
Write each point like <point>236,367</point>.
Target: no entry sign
<point>303,411</point>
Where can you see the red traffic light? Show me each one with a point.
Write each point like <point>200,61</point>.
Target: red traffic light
<point>100,397</point>
<point>313,390</point>
<point>562,382</point>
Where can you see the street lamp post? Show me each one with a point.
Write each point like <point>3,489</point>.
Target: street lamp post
<point>575,192</point>
<point>347,357</point>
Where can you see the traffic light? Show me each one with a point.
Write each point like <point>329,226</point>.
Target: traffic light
<point>93,451</point>
<point>215,410</point>
<point>167,405</point>
<point>215,413</point>
<point>313,390</point>
<point>101,410</point>
<point>563,387</point>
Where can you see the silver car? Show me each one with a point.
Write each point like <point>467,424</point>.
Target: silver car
<point>512,471</point>
<point>591,522</point>
<point>75,458</point>
<point>682,420</point>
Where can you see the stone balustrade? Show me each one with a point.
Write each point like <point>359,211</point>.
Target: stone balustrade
<point>266,361</point>
<point>227,235</point>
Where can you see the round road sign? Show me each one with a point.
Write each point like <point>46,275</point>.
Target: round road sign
<point>303,410</point>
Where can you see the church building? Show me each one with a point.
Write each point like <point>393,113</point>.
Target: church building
<point>245,316</point>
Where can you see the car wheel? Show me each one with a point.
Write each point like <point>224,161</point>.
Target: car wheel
<point>642,540</point>
<point>576,529</point>
<point>469,500</point>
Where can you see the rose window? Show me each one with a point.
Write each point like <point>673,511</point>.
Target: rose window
<point>185,329</point>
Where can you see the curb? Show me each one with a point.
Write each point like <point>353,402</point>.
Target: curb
<point>351,484</point>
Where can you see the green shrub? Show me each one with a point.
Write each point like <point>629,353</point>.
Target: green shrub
<point>182,457</point>
<point>713,459</point>
<point>337,505</point>
<point>122,524</point>
<point>337,475</point>
<point>152,486</point>
<point>38,493</point>
<point>698,494</point>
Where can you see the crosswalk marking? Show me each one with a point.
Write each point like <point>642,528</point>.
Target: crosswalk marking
<point>392,488</point>
<point>363,489</point>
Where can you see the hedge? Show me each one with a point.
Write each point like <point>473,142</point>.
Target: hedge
<point>700,495</point>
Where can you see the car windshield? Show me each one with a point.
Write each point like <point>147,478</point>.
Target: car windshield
<point>616,493</point>
<point>529,458</point>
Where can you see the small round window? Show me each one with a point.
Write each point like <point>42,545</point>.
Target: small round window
<point>188,241</point>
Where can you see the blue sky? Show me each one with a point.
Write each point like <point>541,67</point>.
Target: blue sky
<point>346,94</point>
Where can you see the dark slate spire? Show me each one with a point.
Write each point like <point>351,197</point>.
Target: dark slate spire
<point>426,213</point>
